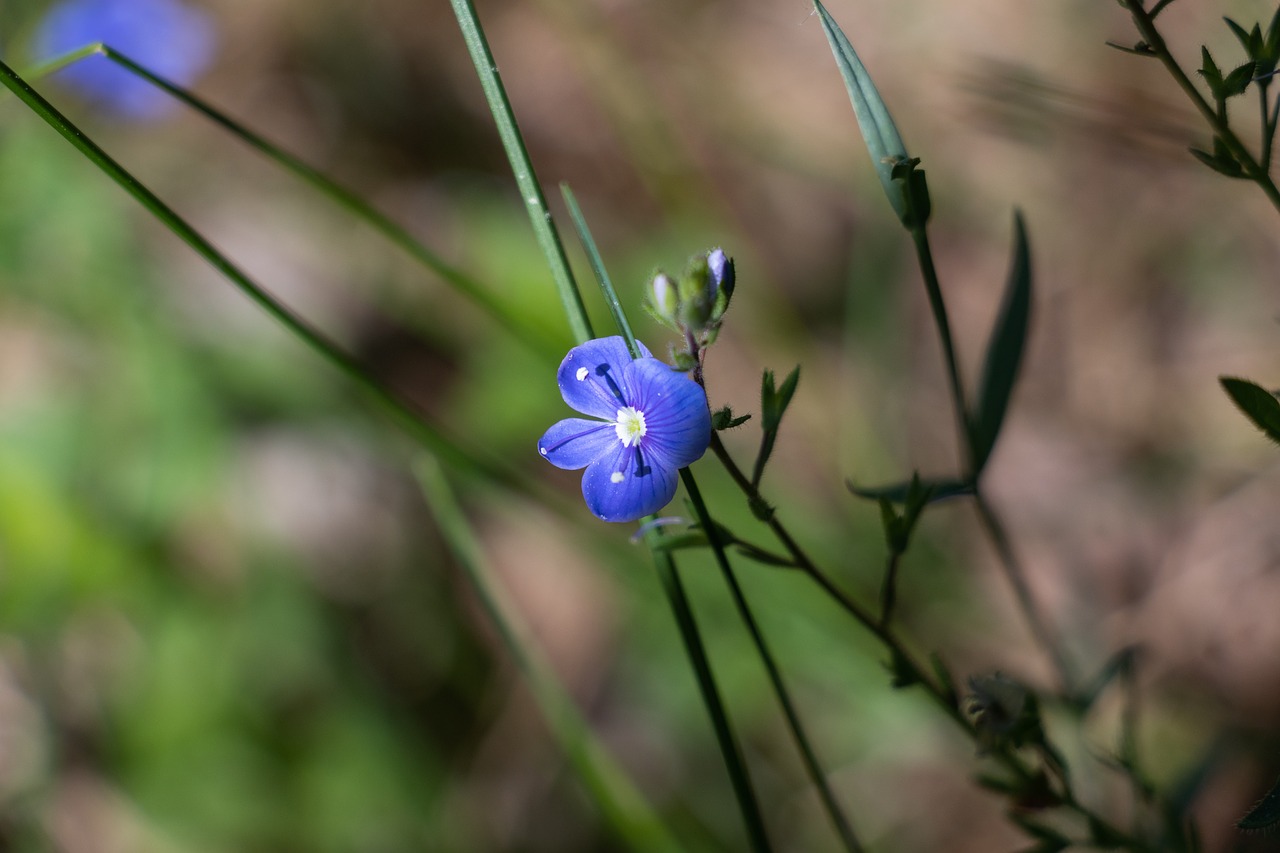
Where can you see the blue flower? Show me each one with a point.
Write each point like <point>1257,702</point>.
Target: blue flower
<point>653,421</point>
<point>166,37</point>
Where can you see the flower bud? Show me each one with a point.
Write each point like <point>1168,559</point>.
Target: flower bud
<point>662,298</point>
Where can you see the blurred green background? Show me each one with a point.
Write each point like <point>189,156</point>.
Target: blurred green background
<point>227,619</point>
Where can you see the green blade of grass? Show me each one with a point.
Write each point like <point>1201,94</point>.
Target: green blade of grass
<point>544,227</point>
<point>535,337</point>
<point>430,436</point>
<point>598,268</point>
<point>626,811</point>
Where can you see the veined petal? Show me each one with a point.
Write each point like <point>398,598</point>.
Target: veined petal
<point>624,485</point>
<point>677,422</point>
<point>577,442</point>
<point>590,377</point>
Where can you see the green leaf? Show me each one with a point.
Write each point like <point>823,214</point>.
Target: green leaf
<point>1258,404</point>
<point>723,419</point>
<point>898,492</point>
<point>880,134</point>
<point>1220,161</point>
<point>1004,353</point>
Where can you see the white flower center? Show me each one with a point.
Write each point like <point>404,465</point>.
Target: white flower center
<point>630,426</point>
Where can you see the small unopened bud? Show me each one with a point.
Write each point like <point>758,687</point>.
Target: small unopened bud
<point>662,296</point>
<point>722,275</point>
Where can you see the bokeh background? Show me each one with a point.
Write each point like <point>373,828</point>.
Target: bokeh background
<point>227,618</point>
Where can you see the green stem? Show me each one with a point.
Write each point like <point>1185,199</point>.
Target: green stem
<point>598,268</point>
<point>431,437</point>
<point>1145,23</point>
<point>621,804</point>
<point>532,336</point>
<point>729,747</point>
<point>814,769</point>
<point>924,255</point>
<point>544,227</point>
<point>904,661</point>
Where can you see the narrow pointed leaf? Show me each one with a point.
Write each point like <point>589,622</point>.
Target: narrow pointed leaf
<point>1238,80</point>
<point>880,134</point>
<point>897,492</point>
<point>1258,404</point>
<point>1004,353</point>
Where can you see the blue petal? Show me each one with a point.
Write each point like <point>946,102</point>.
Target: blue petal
<point>591,380</point>
<point>577,442</point>
<point>677,422</point>
<point>625,484</point>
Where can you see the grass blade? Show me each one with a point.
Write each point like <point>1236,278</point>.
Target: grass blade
<point>536,338</point>
<point>431,436</point>
<point>544,227</point>
<point>621,804</point>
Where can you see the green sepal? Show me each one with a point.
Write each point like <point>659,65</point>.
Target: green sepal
<point>880,134</point>
<point>1211,73</point>
<point>1258,404</point>
<point>1238,80</point>
<point>774,401</point>
<point>684,361</point>
<point>773,405</point>
<point>1004,353</point>
<point>723,419</point>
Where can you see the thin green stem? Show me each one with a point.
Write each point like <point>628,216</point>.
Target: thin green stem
<point>906,663</point>
<point>889,589</point>
<point>924,255</point>
<point>1017,579</point>
<point>544,227</point>
<point>841,823</point>
<point>1268,128</point>
<point>1254,170</point>
<point>624,808</point>
<point>432,437</point>
<point>535,337</point>
<point>729,747</point>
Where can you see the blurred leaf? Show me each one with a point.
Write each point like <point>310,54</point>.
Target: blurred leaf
<point>1221,160</point>
<point>773,405</point>
<point>1004,353</point>
<point>880,134</point>
<point>1264,816</point>
<point>1139,48</point>
<point>1258,404</point>
<point>897,492</point>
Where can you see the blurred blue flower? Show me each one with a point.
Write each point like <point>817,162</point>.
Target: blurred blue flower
<point>167,37</point>
<point>653,421</point>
